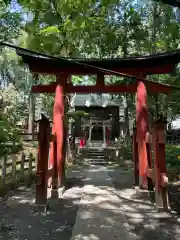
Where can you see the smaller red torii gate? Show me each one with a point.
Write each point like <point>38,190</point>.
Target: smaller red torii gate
<point>131,67</point>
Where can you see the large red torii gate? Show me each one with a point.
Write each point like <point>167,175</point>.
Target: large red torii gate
<point>135,68</point>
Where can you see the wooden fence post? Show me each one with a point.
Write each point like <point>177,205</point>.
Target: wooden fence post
<point>14,170</point>
<point>161,193</point>
<point>42,163</point>
<point>4,171</point>
<point>149,159</point>
<point>54,171</point>
<point>22,167</point>
<point>135,159</point>
<point>30,168</point>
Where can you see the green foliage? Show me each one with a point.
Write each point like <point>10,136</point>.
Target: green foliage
<point>78,28</point>
<point>125,147</point>
<point>7,131</point>
<point>9,22</point>
<point>172,153</point>
<point>10,140</point>
<point>9,117</point>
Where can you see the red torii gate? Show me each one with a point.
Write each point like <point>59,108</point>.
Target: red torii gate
<point>63,68</point>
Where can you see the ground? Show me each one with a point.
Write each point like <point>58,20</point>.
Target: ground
<point>99,203</point>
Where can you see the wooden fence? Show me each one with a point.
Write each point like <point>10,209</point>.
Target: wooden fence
<point>15,170</point>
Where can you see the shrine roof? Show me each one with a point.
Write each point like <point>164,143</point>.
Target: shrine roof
<point>151,64</point>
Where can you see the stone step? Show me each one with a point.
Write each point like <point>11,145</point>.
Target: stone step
<point>96,161</point>
<point>94,156</point>
<point>98,152</point>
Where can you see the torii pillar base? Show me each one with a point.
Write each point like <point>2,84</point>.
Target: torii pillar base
<point>57,193</point>
<point>41,208</point>
<point>145,194</point>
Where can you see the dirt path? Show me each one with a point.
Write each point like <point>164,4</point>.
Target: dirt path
<point>20,221</point>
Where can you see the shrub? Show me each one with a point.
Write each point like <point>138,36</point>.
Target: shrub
<point>172,153</point>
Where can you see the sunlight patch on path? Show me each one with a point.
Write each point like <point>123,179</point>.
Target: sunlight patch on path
<point>100,215</point>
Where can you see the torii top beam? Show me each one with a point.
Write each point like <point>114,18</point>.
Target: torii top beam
<point>146,65</point>
<point>126,67</point>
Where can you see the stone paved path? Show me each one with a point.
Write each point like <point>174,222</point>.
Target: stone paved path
<point>101,204</point>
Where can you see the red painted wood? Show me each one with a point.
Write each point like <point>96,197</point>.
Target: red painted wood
<point>85,89</point>
<point>149,160</point>
<point>37,67</point>
<point>52,181</point>
<point>160,166</point>
<point>52,149</point>
<point>57,150</point>
<point>130,88</point>
<point>58,119</point>
<point>100,80</point>
<point>142,128</point>
<point>42,163</point>
<point>159,152</point>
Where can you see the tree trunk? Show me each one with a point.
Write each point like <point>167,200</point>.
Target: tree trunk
<point>31,115</point>
<point>157,105</point>
<point>125,53</point>
<point>126,117</point>
<point>32,100</point>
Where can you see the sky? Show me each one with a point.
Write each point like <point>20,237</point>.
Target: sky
<point>15,7</point>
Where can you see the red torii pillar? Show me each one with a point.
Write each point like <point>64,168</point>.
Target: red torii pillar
<point>142,128</point>
<point>42,162</point>
<point>58,148</point>
<point>161,180</point>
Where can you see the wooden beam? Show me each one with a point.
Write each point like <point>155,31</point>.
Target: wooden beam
<point>45,68</point>
<point>85,89</point>
<point>100,80</point>
<point>100,88</point>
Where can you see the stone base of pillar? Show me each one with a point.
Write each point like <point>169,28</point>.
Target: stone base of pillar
<point>162,204</point>
<point>161,209</point>
<point>41,208</point>
<point>56,193</point>
<point>143,193</point>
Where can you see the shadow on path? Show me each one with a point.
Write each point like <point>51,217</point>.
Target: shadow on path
<point>20,221</point>
<point>143,219</point>
<point>103,199</point>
